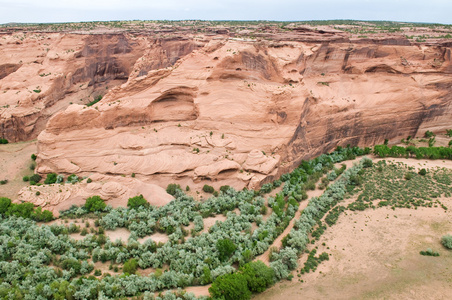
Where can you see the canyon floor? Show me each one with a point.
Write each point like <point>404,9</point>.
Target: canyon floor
<point>375,255</point>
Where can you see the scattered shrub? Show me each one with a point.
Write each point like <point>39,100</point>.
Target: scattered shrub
<point>35,178</point>
<point>429,252</point>
<point>446,240</point>
<point>422,172</point>
<point>172,188</point>
<point>208,189</point>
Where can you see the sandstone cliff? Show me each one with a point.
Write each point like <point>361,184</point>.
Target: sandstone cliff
<point>218,109</point>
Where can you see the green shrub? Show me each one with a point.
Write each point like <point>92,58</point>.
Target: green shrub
<point>208,189</point>
<point>97,272</point>
<point>422,172</point>
<point>367,163</point>
<point>71,179</point>
<point>130,266</point>
<point>89,180</point>
<point>446,240</point>
<point>408,176</point>
<point>3,141</point>
<point>26,178</point>
<point>449,132</point>
<point>429,252</point>
<point>429,134</point>
<point>33,156</point>
<point>95,203</point>
<point>51,178</point>
<point>42,216</point>
<point>35,178</point>
<point>172,188</point>
<point>97,99</point>
<point>4,181</point>
<point>224,188</point>
<point>137,201</point>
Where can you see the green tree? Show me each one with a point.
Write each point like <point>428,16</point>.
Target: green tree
<point>130,266</point>
<point>225,248</point>
<point>4,205</point>
<point>95,203</point>
<point>137,201</point>
<point>230,287</point>
<point>258,276</point>
<point>51,178</point>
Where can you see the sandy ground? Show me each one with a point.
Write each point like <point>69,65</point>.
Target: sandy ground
<point>375,255</point>
<point>14,164</point>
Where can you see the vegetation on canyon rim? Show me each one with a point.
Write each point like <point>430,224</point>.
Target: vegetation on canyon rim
<point>43,261</point>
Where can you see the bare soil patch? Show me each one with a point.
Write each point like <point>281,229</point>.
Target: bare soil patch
<point>15,163</point>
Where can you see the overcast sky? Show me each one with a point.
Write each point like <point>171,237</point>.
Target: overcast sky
<point>41,11</point>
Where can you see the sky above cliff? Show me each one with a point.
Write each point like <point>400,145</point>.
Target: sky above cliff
<point>43,11</point>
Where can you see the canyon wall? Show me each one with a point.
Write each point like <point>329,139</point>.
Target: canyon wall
<point>43,73</point>
<point>196,108</point>
<point>241,113</point>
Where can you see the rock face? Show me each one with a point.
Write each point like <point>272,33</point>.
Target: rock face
<point>242,113</point>
<point>42,73</point>
<point>220,110</point>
